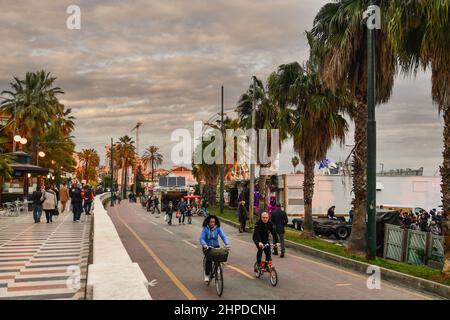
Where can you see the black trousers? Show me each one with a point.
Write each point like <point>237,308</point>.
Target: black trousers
<point>266,250</point>
<point>208,265</point>
<point>182,217</point>
<point>49,215</point>
<point>243,223</point>
<point>87,206</point>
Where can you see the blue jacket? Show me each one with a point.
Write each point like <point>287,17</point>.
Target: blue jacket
<point>211,237</point>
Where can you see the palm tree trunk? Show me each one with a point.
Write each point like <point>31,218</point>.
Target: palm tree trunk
<point>357,240</point>
<point>124,180</point>
<point>308,192</point>
<point>153,170</point>
<point>445,189</point>
<point>262,186</point>
<point>34,145</point>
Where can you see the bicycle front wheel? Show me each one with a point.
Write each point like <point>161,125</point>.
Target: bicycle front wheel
<point>273,277</point>
<point>219,279</point>
<point>204,268</point>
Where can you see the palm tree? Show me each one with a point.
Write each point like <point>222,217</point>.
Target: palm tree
<point>318,121</point>
<point>207,172</point>
<point>153,157</point>
<point>295,162</point>
<point>5,166</point>
<point>343,63</point>
<point>419,32</point>
<point>126,151</point>
<point>269,115</point>
<point>90,160</point>
<point>35,100</point>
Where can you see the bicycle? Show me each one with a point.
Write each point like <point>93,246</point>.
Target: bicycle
<point>219,256</point>
<point>202,212</point>
<point>266,266</point>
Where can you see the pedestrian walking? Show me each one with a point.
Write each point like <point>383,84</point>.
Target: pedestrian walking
<point>49,203</point>
<point>169,213</point>
<point>242,215</point>
<point>189,214</point>
<point>279,219</point>
<point>64,196</point>
<point>182,207</point>
<point>37,204</point>
<point>88,198</point>
<point>76,199</point>
<point>156,205</point>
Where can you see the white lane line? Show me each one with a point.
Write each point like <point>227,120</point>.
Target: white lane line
<point>168,231</point>
<point>154,223</point>
<point>192,245</point>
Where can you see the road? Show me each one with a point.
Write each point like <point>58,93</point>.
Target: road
<point>171,257</point>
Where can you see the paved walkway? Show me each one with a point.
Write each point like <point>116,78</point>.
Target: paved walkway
<point>38,261</point>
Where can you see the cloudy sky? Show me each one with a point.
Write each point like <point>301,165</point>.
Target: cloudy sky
<point>163,62</point>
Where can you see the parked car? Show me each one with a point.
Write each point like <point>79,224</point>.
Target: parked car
<point>340,228</point>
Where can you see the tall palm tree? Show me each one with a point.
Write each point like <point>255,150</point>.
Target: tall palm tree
<point>153,158</point>
<point>269,115</point>
<point>318,121</point>
<point>295,162</point>
<point>126,151</point>
<point>35,100</point>
<point>207,172</point>
<point>343,63</point>
<point>90,160</point>
<point>5,166</point>
<point>420,37</point>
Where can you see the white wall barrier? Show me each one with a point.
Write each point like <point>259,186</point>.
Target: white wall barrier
<point>112,275</point>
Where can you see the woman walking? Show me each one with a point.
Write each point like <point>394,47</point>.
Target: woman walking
<point>243,214</point>
<point>50,203</point>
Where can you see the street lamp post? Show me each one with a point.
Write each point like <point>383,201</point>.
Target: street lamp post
<point>251,209</point>
<point>373,16</point>
<point>222,167</point>
<point>112,172</point>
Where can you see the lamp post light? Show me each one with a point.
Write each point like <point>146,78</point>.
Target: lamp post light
<point>41,154</point>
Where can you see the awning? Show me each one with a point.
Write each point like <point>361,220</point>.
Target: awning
<point>28,168</point>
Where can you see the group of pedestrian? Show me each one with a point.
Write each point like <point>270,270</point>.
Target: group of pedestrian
<point>424,221</point>
<point>47,200</point>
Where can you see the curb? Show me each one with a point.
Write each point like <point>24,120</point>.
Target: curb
<point>386,274</point>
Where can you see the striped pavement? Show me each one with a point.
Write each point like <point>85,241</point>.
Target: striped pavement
<point>43,261</point>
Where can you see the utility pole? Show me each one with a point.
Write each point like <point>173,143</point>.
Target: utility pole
<point>373,16</point>
<point>15,124</point>
<point>222,167</point>
<point>111,153</point>
<point>251,209</point>
<point>138,125</point>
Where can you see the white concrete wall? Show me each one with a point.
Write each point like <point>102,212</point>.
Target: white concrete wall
<point>112,275</point>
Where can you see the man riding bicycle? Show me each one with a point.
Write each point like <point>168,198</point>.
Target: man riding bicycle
<point>209,238</point>
<point>261,237</point>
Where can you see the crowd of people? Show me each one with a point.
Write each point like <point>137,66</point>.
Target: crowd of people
<point>53,201</point>
<point>424,221</point>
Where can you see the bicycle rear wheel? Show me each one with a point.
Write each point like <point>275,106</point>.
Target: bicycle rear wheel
<point>219,279</point>
<point>273,277</point>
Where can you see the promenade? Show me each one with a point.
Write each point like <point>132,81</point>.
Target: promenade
<point>42,261</point>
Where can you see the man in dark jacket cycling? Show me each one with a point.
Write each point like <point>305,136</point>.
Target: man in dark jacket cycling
<point>261,237</point>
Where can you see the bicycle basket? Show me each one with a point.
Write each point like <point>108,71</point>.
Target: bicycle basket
<point>219,254</point>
